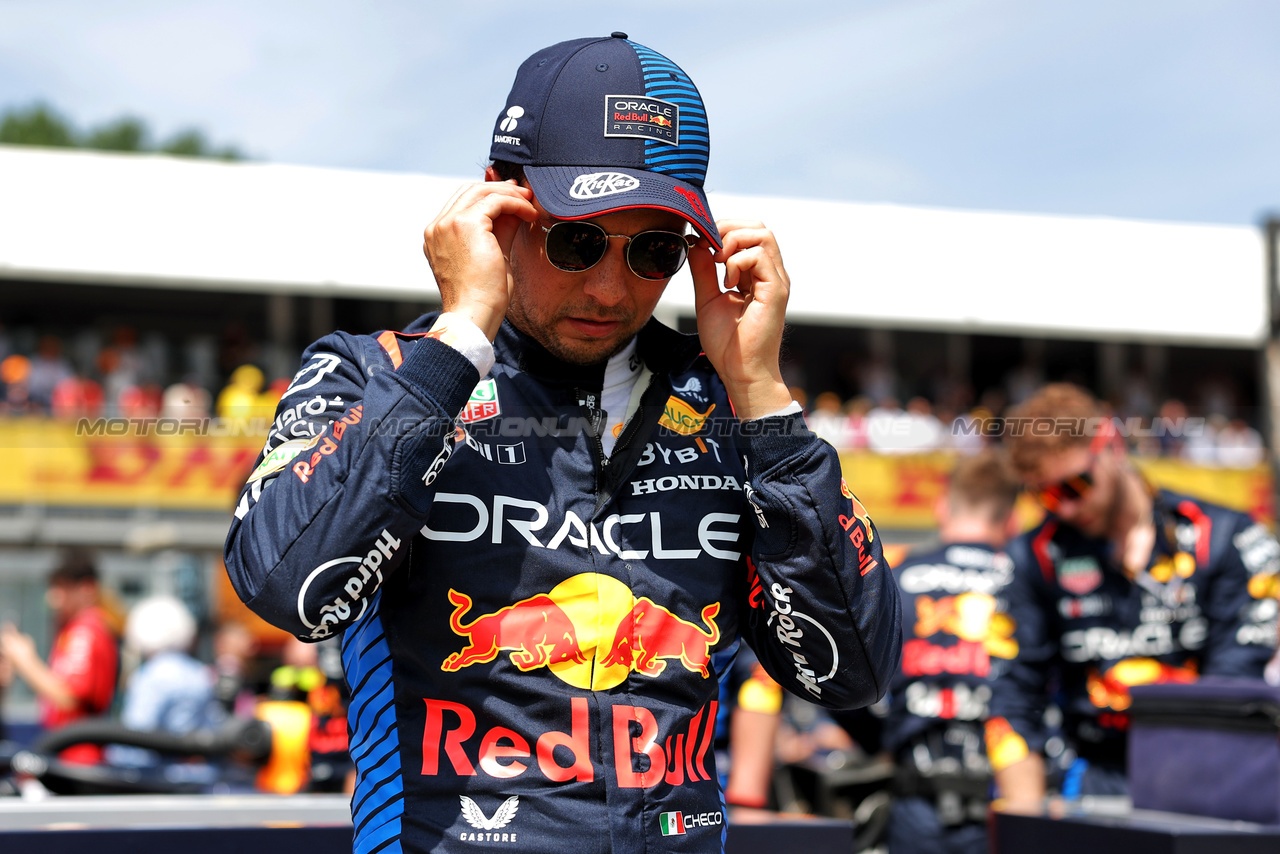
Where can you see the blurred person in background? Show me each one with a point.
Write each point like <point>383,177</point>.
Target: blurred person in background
<point>311,674</point>
<point>1122,584</point>
<point>185,399</point>
<point>234,647</point>
<point>240,397</point>
<point>746,731</point>
<point>48,368</point>
<point>170,691</point>
<point>15,389</point>
<point>828,420</point>
<point>80,679</point>
<point>1240,446</point>
<point>938,700</point>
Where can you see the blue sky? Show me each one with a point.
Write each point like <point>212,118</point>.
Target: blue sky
<point>1140,109</point>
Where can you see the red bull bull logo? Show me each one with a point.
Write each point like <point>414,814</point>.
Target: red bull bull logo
<point>966,616</point>
<point>535,631</point>
<point>651,633</point>
<point>1109,689</point>
<point>588,630</point>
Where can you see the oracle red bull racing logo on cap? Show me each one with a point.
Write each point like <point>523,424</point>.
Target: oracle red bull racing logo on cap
<point>588,630</point>
<point>642,117</point>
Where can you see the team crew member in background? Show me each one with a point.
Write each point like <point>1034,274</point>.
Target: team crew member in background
<point>1121,585</point>
<point>938,701</point>
<point>80,679</point>
<point>536,516</point>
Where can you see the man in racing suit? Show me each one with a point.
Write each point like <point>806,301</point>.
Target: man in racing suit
<point>534,517</point>
<point>939,699</point>
<point>1121,584</point>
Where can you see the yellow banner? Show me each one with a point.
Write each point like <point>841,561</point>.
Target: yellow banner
<point>177,466</point>
<point>198,465</point>
<point>900,491</point>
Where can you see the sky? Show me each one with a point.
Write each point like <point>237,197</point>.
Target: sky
<point>1147,109</point>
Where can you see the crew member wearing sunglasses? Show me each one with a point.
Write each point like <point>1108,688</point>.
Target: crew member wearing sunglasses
<point>1122,584</point>
<point>541,519</point>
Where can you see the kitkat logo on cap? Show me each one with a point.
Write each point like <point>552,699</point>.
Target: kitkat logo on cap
<point>598,184</point>
<point>642,117</point>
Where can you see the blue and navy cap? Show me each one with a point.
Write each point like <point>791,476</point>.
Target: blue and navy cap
<point>605,124</point>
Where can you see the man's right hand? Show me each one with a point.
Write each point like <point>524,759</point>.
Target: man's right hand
<point>469,248</point>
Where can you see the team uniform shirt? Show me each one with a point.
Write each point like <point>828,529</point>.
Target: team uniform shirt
<point>1204,605</point>
<point>85,658</point>
<point>529,623</point>
<point>940,697</point>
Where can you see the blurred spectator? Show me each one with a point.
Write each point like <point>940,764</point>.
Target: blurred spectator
<point>882,423</point>
<point>1022,382</point>
<point>311,674</point>
<point>829,421</point>
<point>966,432</point>
<point>1173,426</point>
<point>48,368</point>
<point>171,691</point>
<point>233,647</point>
<point>877,379</point>
<point>746,729</point>
<point>241,397</point>
<point>79,680</point>
<point>914,431</point>
<point>76,397</point>
<point>15,378</point>
<point>856,411</point>
<point>1239,445</point>
<point>1202,448</point>
<point>185,400</point>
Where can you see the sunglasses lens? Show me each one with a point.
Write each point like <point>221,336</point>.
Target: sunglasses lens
<point>657,254</point>
<point>576,246</point>
<point>1068,490</point>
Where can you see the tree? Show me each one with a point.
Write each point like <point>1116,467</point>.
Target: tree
<point>36,125</point>
<point>123,134</point>
<point>40,124</point>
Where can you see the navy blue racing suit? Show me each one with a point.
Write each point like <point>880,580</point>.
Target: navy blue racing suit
<point>527,624</point>
<point>938,702</point>
<point>1070,618</point>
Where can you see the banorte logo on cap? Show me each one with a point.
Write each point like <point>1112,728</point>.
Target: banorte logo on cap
<point>507,125</point>
<point>589,630</point>
<point>596,185</point>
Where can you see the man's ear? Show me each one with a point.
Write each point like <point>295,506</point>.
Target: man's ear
<point>491,174</point>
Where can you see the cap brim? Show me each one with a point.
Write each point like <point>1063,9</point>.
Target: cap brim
<point>580,192</point>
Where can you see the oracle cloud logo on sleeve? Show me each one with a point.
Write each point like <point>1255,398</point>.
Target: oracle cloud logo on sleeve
<point>321,365</point>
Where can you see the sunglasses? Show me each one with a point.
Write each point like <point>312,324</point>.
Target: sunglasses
<point>1070,489</point>
<point>653,255</point>
<point>1077,486</point>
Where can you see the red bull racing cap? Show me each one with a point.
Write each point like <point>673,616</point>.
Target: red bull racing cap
<point>605,124</point>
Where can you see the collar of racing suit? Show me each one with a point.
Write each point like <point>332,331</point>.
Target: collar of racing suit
<point>662,349</point>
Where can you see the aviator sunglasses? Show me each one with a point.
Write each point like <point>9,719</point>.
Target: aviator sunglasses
<point>1077,486</point>
<point>654,255</point>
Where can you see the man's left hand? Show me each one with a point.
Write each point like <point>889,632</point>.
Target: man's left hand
<point>741,327</point>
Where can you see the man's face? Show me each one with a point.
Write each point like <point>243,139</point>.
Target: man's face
<point>584,317</point>
<point>66,599</point>
<point>1093,511</point>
